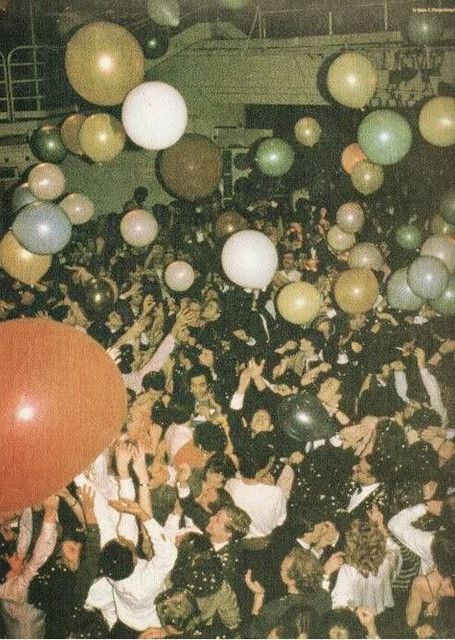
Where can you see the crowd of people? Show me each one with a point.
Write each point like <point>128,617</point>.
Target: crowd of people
<point>205,518</point>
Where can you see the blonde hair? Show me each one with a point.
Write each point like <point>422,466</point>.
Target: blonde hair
<point>365,547</point>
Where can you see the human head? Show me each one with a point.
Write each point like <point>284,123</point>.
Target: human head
<point>301,571</point>
<point>218,469</point>
<point>255,463</point>
<point>365,546</point>
<point>424,418</point>
<point>117,559</point>
<point>362,472</point>
<point>227,523</point>
<point>341,623</point>
<point>261,421</point>
<point>199,377</point>
<point>155,380</point>
<point>177,610</point>
<point>210,438</point>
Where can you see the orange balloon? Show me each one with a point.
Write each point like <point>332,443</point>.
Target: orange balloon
<point>356,290</point>
<point>351,155</point>
<point>20,263</point>
<point>63,401</point>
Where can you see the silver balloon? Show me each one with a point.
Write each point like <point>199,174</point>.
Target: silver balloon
<point>400,295</point>
<point>428,277</point>
<point>442,247</point>
<point>366,254</point>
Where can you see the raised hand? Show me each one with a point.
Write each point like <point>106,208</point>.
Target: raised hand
<point>86,497</point>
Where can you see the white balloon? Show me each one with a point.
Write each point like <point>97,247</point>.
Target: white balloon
<point>154,115</point>
<point>250,259</point>
<point>138,227</point>
<point>179,275</point>
<point>164,12</point>
<point>442,247</point>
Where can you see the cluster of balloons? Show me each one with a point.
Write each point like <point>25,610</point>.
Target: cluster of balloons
<point>350,218</point>
<point>307,131</point>
<point>249,259</point>
<point>99,137</point>
<point>352,155</point>
<point>63,399</point>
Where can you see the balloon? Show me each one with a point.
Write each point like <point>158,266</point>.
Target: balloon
<point>78,207</point>
<point>102,137</point>
<point>234,5</point>
<point>384,136</point>
<point>356,290</point>
<point>351,155</point>
<point>104,62</point>
<point>42,228</point>
<point>192,168</point>
<point>442,228</point>
<point>139,227</point>
<point>63,401</point>
<point>22,196</point>
<point>20,263</point>
<point>153,40</point>
<point>307,131</point>
<point>339,240</point>
<point>447,207</point>
<point>164,12</point>
<point>428,277</point>
<point>154,115</point>
<point>367,177</point>
<point>99,298</point>
<point>352,80</point>
<point>440,247</point>
<point>367,255</point>
<point>400,295</point>
<point>437,121</point>
<point>350,217</point>
<point>179,275</point>
<point>408,236</point>
<point>70,133</point>
<point>304,418</point>
<point>425,28</point>
<point>47,145</point>
<point>228,223</point>
<point>250,259</point>
<point>46,181</point>
<point>299,302</point>
<point>445,304</point>
<point>274,157</point>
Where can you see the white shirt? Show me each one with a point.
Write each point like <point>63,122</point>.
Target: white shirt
<point>419,542</point>
<point>264,503</point>
<point>177,435</point>
<point>354,589</point>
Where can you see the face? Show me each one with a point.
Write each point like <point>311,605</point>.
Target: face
<point>199,387</point>
<point>261,421</point>
<point>216,527</point>
<point>206,357</point>
<point>288,261</point>
<point>71,554</point>
<point>362,472</point>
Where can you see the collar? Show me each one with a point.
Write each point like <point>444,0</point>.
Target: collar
<point>360,495</point>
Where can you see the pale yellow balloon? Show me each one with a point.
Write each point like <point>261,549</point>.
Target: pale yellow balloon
<point>19,263</point>
<point>352,80</point>
<point>340,240</point>
<point>69,132</point>
<point>102,137</point>
<point>356,290</point>
<point>437,121</point>
<point>46,181</point>
<point>307,131</point>
<point>367,177</point>
<point>299,302</point>
<point>78,207</point>
<point>104,62</point>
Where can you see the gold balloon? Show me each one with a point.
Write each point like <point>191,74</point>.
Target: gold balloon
<point>437,121</point>
<point>307,131</point>
<point>69,132</point>
<point>356,290</point>
<point>441,227</point>
<point>367,177</point>
<point>102,137</point>
<point>228,223</point>
<point>20,263</point>
<point>46,181</point>
<point>299,302</point>
<point>351,155</point>
<point>340,240</point>
<point>104,62</point>
<point>352,80</point>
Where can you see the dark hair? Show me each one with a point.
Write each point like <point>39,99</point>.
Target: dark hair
<point>220,464</point>
<point>345,619</point>
<point>126,358</point>
<point>448,514</point>
<point>296,621</point>
<point>252,462</point>
<point>116,561</point>
<point>59,312</point>
<point>180,413</point>
<point>154,380</point>
<point>423,418</point>
<point>201,573</point>
<point>4,569</point>
<point>210,437</point>
<point>199,370</point>
<point>443,552</point>
<point>178,608</point>
<point>388,450</point>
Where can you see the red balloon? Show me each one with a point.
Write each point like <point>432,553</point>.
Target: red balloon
<point>63,401</point>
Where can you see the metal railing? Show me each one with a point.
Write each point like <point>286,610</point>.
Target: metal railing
<point>5,108</point>
<point>36,83</point>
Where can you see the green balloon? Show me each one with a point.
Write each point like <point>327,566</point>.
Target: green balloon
<point>446,303</point>
<point>153,40</point>
<point>47,145</point>
<point>447,208</point>
<point>408,236</point>
<point>425,28</point>
<point>274,157</point>
<point>384,136</point>
<point>399,294</point>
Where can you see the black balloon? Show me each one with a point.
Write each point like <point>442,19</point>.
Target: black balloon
<point>303,418</point>
<point>99,298</point>
<point>153,40</point>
